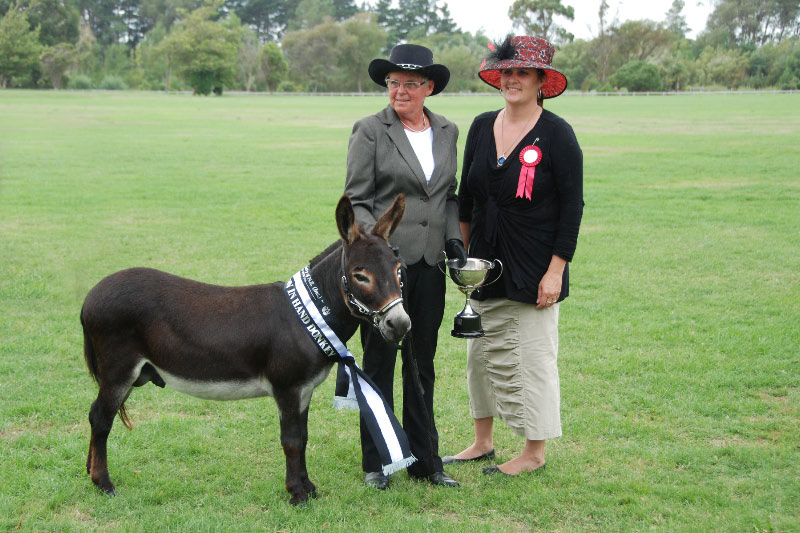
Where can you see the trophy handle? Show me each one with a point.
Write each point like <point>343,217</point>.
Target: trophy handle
<point>496,277</point>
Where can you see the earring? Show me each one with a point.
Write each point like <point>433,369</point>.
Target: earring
<point>541,97</point>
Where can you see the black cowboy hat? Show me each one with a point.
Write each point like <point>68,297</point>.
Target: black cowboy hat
<point>410,58</point>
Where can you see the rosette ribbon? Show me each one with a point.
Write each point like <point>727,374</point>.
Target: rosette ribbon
<point>530,156</point>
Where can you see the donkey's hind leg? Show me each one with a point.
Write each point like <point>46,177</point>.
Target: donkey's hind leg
<point>294,436</point>
<point>109,400</point>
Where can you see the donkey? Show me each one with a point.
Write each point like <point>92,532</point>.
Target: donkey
<point>227,343</point>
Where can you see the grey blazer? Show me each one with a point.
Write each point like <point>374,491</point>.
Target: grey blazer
<point>382,164</point>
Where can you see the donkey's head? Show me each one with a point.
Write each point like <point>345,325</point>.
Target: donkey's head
<point>371,270</point>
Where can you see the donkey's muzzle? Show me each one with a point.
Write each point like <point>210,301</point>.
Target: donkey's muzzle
<point>395,324</point>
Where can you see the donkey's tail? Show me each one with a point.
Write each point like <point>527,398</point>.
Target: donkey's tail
<point>123,415</point>
<point>88,352</point>
<point>91,363</point>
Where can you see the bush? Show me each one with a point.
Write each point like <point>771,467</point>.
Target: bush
<point>202,82</point>
<point>637,76</point>
<point>788,81</point>
<point>287,87</point>
<point>80,82</point>
<point>113,83</point>
<point>605,88</point>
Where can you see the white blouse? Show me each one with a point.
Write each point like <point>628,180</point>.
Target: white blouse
<point>422,143</point>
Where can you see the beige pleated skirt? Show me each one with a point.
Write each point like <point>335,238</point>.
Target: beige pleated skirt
<point>512,371</point>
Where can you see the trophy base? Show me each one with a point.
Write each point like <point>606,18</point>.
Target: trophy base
<point>467,327</point>
<point>466,334</point>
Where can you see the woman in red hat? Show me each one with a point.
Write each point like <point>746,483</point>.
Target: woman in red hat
<point>521,201</point>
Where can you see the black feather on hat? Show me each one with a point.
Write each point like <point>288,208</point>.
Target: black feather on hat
<point>504,50</point>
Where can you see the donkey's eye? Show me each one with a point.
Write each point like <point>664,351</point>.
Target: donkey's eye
<point>361,278</point>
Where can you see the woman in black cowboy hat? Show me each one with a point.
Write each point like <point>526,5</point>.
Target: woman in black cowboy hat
<point>407,149</point>
<point>521,201</point>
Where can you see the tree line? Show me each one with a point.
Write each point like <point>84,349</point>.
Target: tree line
<point>325,45</point>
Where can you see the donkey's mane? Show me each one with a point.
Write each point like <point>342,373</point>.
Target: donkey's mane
<point>325,253</point>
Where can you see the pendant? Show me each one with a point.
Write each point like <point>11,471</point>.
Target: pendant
<point>500,160</point>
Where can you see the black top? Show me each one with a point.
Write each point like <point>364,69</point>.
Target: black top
<point>524,234</point>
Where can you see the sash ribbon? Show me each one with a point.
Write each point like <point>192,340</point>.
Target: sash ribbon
<point>354,389</point>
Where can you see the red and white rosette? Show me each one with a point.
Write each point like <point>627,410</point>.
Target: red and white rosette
<point>530,156</point>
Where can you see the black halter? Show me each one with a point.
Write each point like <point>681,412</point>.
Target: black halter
<point>357,307</point>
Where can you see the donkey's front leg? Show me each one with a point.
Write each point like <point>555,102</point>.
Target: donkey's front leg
<point>294,436</point>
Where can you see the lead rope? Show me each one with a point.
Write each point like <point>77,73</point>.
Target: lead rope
<point>411,361</point>
<point>410,365</point>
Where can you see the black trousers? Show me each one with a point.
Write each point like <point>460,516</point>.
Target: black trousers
<point>425,291</point>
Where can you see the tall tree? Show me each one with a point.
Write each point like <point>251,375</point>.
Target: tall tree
<point>640,40</point>
<point>270,18</point>
<point>361,41</point>
<point>19,46</point>
<point>675,21</point>
<point>274,67</point>
<point>385,13</point>
<point>56,61</point>
<point>602,47</point>
<point>57,20</point>
<point>344,9</point>
<point>87,51</point>
<point>722,67</point>
<point>413,19</point>
<point>388,19</point>
<point>536,17</point>
<point>572,59</point>
<point>753,23</point>
<point>310,13</point>
<point>602,14</point>
<point>313,56</point>
<point>423,17</point>
<point>249,58</point>
<point>445,23</point>
<point>790,78</point>
<point>165,12</point>
<point>204,50</point>
<point>104,19</point>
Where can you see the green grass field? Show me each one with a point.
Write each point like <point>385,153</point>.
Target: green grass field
<point>680,343</point>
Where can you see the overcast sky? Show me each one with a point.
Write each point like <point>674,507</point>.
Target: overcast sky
<point>492,15</point>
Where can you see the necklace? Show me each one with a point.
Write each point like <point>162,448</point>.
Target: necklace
<point>502,158</point>
<point>424,127</point>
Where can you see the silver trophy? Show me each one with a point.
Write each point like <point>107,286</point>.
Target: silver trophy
<point>470,276</point>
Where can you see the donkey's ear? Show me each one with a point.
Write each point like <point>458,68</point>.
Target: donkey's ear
<point>389,221</point>
<point>346,220</point>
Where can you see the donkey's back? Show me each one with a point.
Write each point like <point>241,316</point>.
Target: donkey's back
<point>205,340</point>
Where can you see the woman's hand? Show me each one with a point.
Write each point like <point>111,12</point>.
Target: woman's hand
<point>550,286</point>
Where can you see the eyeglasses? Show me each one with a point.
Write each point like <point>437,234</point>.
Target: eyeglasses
<point>409,85</point>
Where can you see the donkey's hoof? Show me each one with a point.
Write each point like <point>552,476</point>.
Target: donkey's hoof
<point>107,488</point>
<point>300,499</point>
<point>310,488</point>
